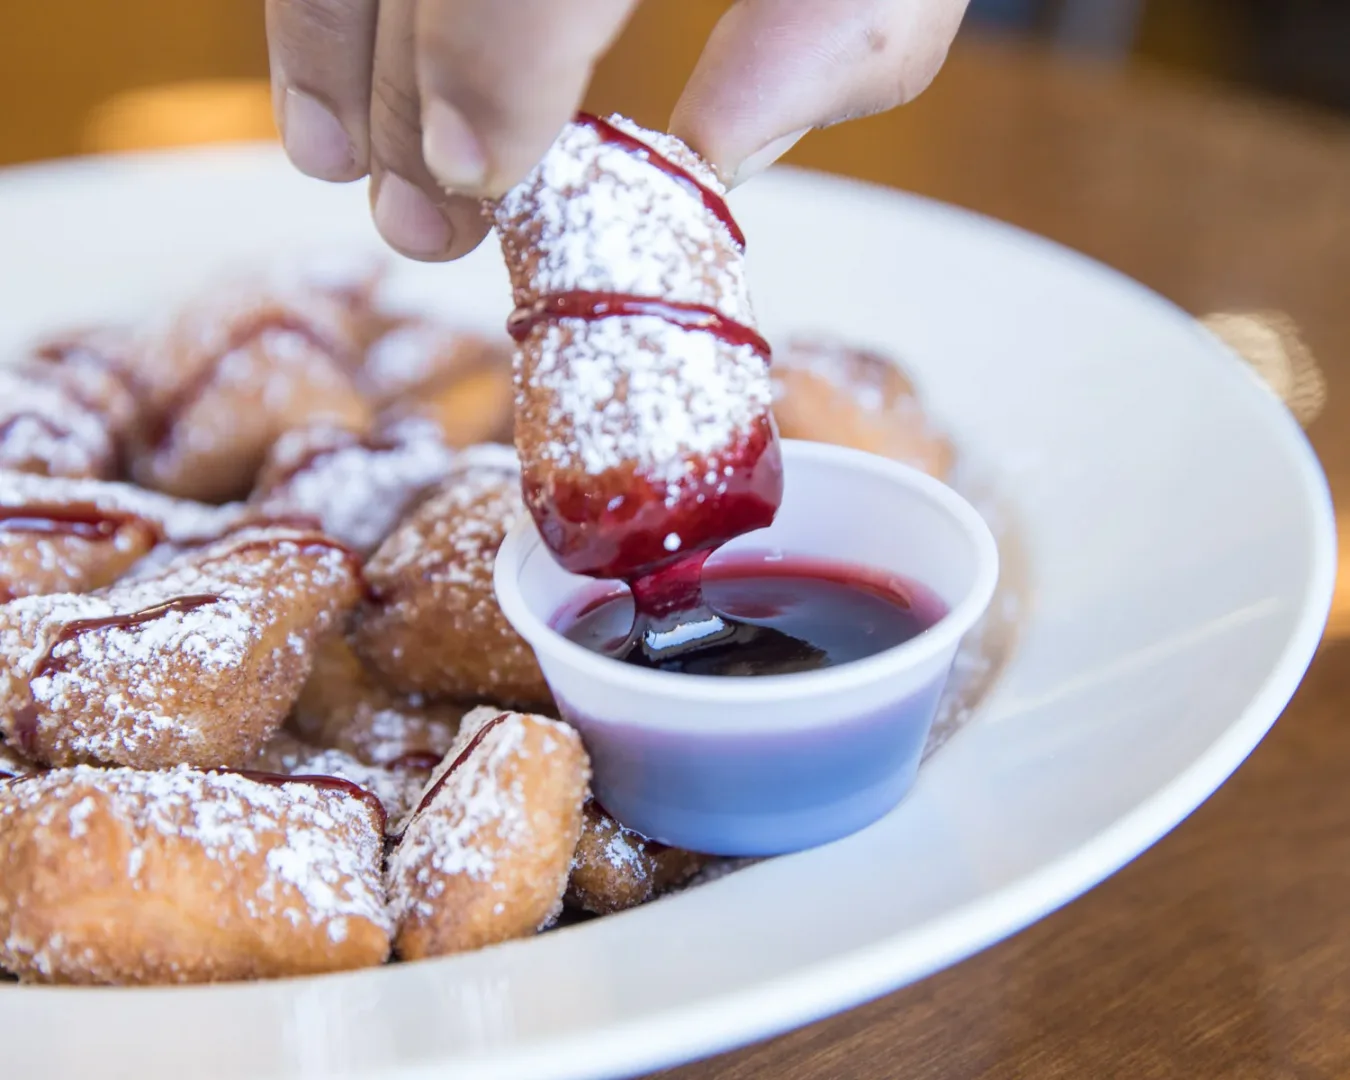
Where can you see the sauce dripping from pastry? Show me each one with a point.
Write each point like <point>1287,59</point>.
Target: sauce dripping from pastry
<point>649,546</point>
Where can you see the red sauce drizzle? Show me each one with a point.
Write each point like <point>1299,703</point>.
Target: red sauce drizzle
<point>25,720</point>
<point>50,663</point>
<point>161,427</point>
<point>624,537</point>
<point>416,761</point>
<point>716,205</point>
<point>323,783</point>
<point>469,748</point>
<point>592,306</point>
<point>81,519</point>
<point>623,533</point>
<point>4,776</point>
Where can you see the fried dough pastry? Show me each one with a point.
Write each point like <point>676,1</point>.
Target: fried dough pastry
<point>485,856</point>
<point>64,535</point>
<point>68,404</point>
<point>230,373</point>
<point>615,868</point>
<point>98,365</point>
<point>456,379</point>
<point>643,397</point>
<point>45,429</point>
<point>397,786</point>
<point>432,624</point>
<point>344,707</point>
<point>124,877</point>
<point>356,487</point>
<point>197,665</point>
<point>828,391</point>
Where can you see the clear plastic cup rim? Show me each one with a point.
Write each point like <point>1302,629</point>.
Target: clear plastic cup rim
<point>523,540</point>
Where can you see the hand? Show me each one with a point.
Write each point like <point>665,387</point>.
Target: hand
<point>445,102</point>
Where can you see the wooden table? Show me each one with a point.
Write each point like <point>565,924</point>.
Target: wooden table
<point>1225,950</point>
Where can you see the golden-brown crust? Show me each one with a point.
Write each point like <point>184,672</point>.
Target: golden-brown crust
<point>356,486</point>
<point>12,763</point>
<point>615,868</point>
<point>31,565</point>
<point>343,707</point>
<point>828,391</point>
<point>69,403</point>
<point>231,373</point>
<point>124,877</point>
<point>396,786</point>
<point>434,626</point>
<point>474,408</point>
<point>204,678</point>
<point>62,534</point>
<point>486,858</point>
<point>629,406</point>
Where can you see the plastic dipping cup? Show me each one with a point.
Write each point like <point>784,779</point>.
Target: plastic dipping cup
<point>771,764</point>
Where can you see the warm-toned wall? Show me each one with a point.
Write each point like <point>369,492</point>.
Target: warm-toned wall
<point>60,58</point>
<point>62,61</point>
<point>81,75</point>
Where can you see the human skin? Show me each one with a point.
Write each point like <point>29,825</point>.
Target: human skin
<point>443,103</point>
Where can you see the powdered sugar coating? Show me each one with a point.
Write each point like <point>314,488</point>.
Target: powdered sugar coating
<point>636,390</point>
<point>43,428</point>
<point>486,484</point>
<point>232,369</point>
<point>875,382</point>
<point>484,856</point>
<point>392,733</point>
<point>630,392</point>
<point>603,219</point>
<point>312,855</point>
<point>357,490</point>
<point>443,837</point>
<point>180,520</point>
<point>397,789</point>
<point>433,625</point>
<point>418,354</point>
<point>154,692</point>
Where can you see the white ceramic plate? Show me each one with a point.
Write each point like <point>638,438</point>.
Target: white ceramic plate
<point>1180,547</point>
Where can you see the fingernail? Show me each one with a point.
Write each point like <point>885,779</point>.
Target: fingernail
<point>409,220</point>
<point>315,141</point>
<point>451,149</point>
<point>762,158</point>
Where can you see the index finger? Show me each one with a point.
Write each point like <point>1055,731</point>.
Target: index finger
<point>499,80</point>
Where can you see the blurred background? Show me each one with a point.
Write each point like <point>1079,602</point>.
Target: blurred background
<point>87,75</point>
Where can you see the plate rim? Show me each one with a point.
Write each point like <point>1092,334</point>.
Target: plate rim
<point>722,1021</point>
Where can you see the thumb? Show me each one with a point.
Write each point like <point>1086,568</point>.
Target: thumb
<point>774,69</point>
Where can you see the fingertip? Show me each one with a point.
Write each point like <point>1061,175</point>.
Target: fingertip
<point>408,220</point>
<point>420,227</point>
<point>452,150</point>
<point>315,140</point>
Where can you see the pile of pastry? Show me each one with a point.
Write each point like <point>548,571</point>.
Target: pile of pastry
<point>260,713</point>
